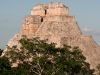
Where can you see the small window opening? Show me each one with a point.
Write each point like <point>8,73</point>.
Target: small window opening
<point>41,19</point>
<point>45,12</point>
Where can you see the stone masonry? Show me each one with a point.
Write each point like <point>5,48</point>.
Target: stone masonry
<point>51,21</point>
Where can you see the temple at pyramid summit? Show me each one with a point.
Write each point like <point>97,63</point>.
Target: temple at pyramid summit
<point>51,21</point>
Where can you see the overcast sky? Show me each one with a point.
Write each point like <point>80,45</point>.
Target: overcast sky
<point>12,12</point>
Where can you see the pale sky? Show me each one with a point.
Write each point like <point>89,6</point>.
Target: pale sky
<point>12,12</point>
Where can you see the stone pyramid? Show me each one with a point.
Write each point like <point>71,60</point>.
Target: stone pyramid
<point>51,21</point>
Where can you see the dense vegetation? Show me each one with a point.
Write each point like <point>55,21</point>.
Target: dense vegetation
<point>98,67</point>
<point>36,57</point>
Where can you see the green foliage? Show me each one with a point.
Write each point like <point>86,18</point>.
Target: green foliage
<point>47,59</point>
<point>5,66</point>
<point>6,69</point>
<point>98,67</point>
<point>22,69</point>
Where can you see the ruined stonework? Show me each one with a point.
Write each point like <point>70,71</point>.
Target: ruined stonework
<point>31,24</point>
<point>49,9</point>
<point>51,21</point>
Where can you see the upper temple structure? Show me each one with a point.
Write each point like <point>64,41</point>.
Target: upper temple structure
<point>52,21</point>
<point>56,12</point>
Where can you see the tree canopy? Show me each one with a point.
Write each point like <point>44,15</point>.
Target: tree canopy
<point>1,51</point>
<point>37,57</point>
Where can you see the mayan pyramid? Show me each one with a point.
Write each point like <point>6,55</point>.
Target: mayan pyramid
<point>51,21</point>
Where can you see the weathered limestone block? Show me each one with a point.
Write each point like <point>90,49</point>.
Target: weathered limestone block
<point>32,19</point>
<point>55,5</point>
<point>47,6</point>
<point>40,12</point>
<point>57,11</point>
<point>40,6</point>
<point>50,9</point>
<point>31,24</point>
<point>29,29</point>
<point>57,18</point>
<point>39,9</point>
<point>33,28</point>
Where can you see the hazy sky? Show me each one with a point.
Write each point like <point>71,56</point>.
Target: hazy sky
<point>12,12</point>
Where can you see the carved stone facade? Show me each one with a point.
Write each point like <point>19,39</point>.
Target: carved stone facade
<point>47,21</point>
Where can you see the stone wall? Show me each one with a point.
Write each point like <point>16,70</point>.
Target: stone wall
<point>55,5</point>
<point>47,6</point>
<point>31,24</point>
<point>36,19</point>
<point>29,29</point>
<point>56,18</point>
<point>40,12</point>
<point>57,11</point>
<point>50,9</point>
<point>40,6</point>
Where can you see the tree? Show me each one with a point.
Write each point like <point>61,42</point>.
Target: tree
<point>37,57</point>
<point>98,69</point>
<point>5,66</point>
<point>21,69</point>
<point>1,51</point>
